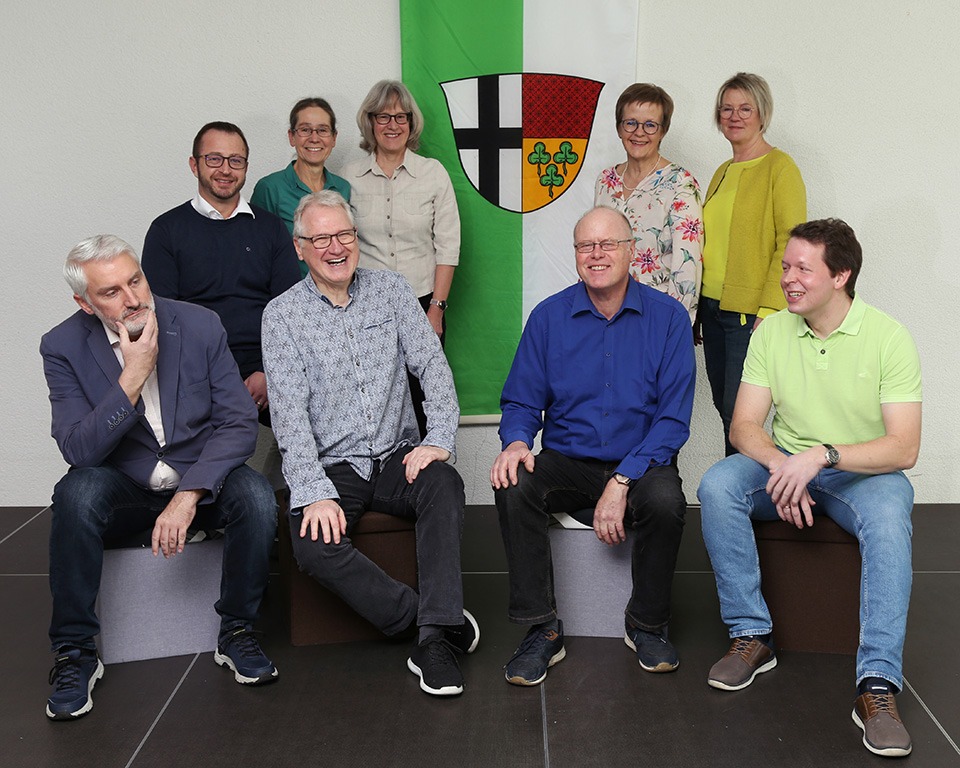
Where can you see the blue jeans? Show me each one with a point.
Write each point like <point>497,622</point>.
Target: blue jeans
<point>725,342</point>
<point>436,501</point>
<point>93,505</point>
<point>874,508</point>
<point>655,510</point>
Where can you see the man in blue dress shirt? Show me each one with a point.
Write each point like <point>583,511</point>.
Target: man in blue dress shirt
<point>606,369</point>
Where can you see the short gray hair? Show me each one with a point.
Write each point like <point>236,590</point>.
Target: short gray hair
<point>757,89</point>
<point>96,248</point>
<point>325,198</point>
<point>376,101</point>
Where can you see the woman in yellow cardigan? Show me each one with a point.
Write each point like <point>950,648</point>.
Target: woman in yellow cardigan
<point>753,202</point>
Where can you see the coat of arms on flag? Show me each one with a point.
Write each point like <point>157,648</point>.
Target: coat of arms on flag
<point>522,137</point>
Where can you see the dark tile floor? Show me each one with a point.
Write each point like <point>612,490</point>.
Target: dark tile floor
<point>353,705</point>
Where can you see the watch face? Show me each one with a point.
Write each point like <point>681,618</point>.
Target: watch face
<point>833,456</point>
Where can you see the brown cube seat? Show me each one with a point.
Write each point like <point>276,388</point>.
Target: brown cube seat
<point>811,582</point>
<point>315,615</point>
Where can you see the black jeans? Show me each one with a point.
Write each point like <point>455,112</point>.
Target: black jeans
<point>655,510</point>
<point>94,504</point>
<point>435,500</point>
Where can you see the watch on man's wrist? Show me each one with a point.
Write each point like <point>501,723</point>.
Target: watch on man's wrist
<point>623,479</point>
<point>832,456</point>
<point>442,304</point>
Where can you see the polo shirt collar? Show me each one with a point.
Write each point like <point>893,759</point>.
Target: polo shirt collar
<point>290,176</point>
<point>850,325</point>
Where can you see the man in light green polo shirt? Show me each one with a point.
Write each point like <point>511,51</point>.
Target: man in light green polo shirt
<point>845,381</point>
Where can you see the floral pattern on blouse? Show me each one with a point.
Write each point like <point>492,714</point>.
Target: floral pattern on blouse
<point>666,214</point>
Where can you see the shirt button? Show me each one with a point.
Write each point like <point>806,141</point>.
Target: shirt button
<point>608,354</point>
<point>823,351</point>
<point>388,215</point>
<point>608,384</point>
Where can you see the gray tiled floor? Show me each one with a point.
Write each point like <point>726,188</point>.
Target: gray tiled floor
<point>357,705</point>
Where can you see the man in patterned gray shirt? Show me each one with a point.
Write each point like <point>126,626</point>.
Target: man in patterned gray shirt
<point>336,350</point>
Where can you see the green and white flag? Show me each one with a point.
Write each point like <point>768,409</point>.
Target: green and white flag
<point>518,99</point>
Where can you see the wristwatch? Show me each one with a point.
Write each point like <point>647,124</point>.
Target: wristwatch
<point>832,456</point>
<point>439,303</point>
<point>623,479</point>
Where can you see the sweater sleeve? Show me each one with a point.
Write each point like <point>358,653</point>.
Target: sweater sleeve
<point>789,209</point>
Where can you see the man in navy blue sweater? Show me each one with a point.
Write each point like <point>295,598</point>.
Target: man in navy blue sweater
<point>218,251</point>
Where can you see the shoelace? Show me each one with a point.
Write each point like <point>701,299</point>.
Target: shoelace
<point>881,702</point>
<point>245,643</point>
<point>741,647</point>
<point>65,673</point>
<point>531,641</point>
<point>440,651</point>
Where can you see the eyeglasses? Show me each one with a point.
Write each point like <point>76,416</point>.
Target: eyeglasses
<point>237,162</point>
<point>384,118</point>
<point>743,112</point>
<point>630,126</point>
<point>322,242</point>
<point>305,131</point>
<point>605,245</point>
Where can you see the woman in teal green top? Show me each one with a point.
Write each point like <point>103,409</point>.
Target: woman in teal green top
<point>753,202</point>
<point>313,134</point>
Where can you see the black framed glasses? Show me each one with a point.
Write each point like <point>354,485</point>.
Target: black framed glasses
<point>630,126</point>
<point>384,118</point>
<point>605,245</point>
<point>237,162</point>
<point>306,131</point>
<point>322,242</point>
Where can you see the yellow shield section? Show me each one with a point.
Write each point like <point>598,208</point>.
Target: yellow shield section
<point>549,168</point>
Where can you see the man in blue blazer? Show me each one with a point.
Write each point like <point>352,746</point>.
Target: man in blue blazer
<point>151,414</point>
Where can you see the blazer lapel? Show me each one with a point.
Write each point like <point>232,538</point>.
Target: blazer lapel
<point>168,365</point>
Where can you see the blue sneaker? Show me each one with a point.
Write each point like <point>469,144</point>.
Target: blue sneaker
<point>654,650</point>
<point>75,672</point>
<point>241,652</point>
<point>540,649</point>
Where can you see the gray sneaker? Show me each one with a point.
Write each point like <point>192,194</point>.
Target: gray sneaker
<point>746,659</point>
<point>883,731</point>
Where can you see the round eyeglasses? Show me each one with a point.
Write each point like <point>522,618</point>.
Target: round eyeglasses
<point>744,112</point>
<point>631,126</point>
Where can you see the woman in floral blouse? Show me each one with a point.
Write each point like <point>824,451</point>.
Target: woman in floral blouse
<point>661,199</point>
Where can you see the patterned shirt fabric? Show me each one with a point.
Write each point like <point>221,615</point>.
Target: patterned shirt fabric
<point>666,214</point>
<point>337,379</point>
<point>409,223</point>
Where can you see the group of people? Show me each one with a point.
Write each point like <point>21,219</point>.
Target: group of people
<point>156,398</point>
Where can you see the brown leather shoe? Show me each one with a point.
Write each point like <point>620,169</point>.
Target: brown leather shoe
<point>883,731</point>
<point>746,659</point>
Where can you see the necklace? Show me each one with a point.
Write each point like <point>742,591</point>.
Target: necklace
<point>623,180</point>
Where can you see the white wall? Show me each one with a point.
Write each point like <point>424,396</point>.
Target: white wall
<point>102,99</point>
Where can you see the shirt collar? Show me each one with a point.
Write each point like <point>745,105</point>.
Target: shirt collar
<point>850,325</point>
<point>113,338</point>
<point>632,300</point>
<point>204,208</point>
<point>351,289</point>
<point>409,165</point>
